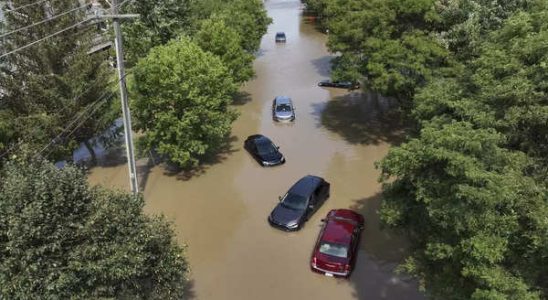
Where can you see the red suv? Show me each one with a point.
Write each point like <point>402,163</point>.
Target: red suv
<point>337,245</point>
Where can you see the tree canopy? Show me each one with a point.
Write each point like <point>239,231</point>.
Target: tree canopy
<point>182,102</point>
<point>215,37</point>
<point>159,22</point>
<point>45,87</point>
<point>62,239</point>
<point>470,186</point>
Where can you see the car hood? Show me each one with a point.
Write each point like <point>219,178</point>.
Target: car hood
<point>283,216</point>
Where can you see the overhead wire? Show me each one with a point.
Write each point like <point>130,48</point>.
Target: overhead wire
<point>40,40</point>
<point>44,38</point>
<point>44,20</point>
<point>24,6</point>
<point>21,141</point>
<point>75,120</point>
<point>50,35</point>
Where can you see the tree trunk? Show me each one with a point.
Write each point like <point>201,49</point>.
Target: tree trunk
<point>91,152</point>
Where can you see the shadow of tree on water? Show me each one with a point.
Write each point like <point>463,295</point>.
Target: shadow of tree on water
<point>186,174</point>
<point>363,118</point>
<point>381,251</point>
<point>188,292</point>
<point>323,65</point>
<point>241,98</point>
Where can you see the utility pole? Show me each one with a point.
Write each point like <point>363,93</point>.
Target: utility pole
<point>123,94</point>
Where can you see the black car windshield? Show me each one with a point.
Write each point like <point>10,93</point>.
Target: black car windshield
<point>296,202</point>
<point>265,148</point>
<point>332,249</point>
<point>283,107</point>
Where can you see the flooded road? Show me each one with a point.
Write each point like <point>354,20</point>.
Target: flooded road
<point>221,211</point>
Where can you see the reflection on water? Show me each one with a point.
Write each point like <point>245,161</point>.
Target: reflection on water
<point>221,214</point>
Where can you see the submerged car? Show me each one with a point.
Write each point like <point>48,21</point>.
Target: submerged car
<point>337,244</point>
<point>263,150</point>
<point>299,203</point>
<point>280,37</point>
<point>340,84</point>
<point>283,109</point>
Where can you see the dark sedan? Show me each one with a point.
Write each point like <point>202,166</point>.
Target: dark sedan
<point>337,245</point>
<point>280,37</point>
<point>264,150</point>
<point>299,203</point>
<point>340,84</point>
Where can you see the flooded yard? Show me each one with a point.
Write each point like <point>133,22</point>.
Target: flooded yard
<point>221,211</point>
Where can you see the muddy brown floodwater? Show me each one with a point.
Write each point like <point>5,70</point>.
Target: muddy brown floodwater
<point>221,212</point>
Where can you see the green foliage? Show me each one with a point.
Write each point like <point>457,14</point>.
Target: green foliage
<point>388,42</point>
<point>215,37</point>
<point>182,103</point>
<point>159,22</point>
<point>61,239</point>
<point>504,88</point>
<point>398,46</point>
<point>478,225</point>
<point>472,188</point>
<point>45,86</point>
<point>249,19</point>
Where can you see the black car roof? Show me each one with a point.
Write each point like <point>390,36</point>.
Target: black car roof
<point>258,137</point>
<point>305,186</point>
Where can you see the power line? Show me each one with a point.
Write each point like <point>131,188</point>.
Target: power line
<point>66,128</point>
<point>21,141</point>
<point>24,6</point>
<point>44,21</point>
<point>97,106</point>
<point>44,38</point>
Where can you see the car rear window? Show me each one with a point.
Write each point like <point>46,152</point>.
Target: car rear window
<point>283,107</point>
<point>339,218</point>
<point>333,249</point>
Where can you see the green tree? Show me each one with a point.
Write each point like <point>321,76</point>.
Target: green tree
<point>46,86</point>
<point>472,188</point>
<point>215,37</point>
<point>62,239</point>
<point>249,19</point>
<point>399,46</point>
<point>504,88</point>
<point>182,102</point>
<point>477,224</point>
<point>159,22</point>
<point>388,42</point>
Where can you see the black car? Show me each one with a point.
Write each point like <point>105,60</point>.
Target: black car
<point>299,203</point>
<point>340,84</point>
<point>280,37</point>
<point>263,150</point>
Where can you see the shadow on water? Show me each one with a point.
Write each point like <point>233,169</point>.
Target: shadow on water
<point>323,65</point>
<point>186,174</point>
<point>188,292</point>
<point>241,98</point>
<point>380,242</point>
<point>381,249</point>
<point>362,118</point>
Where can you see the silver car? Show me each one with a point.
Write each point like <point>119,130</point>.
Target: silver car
<point>283,109</point>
